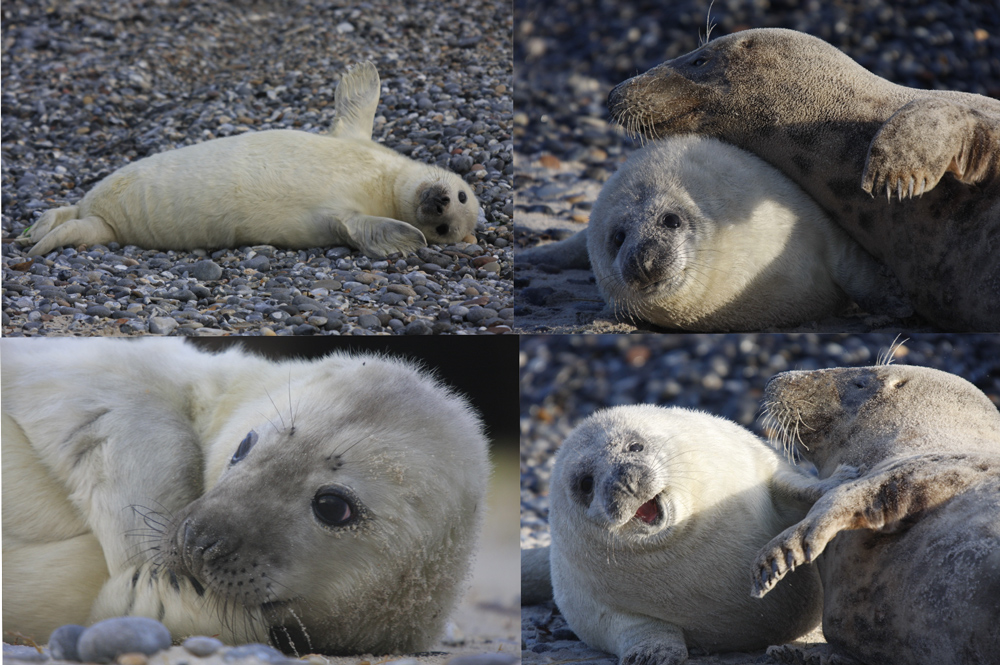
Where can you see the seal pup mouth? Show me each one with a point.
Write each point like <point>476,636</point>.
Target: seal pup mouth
<point>648,512</point>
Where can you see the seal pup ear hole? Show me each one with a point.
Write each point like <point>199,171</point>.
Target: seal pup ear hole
<point>334,507</point>
<point>245,445</point>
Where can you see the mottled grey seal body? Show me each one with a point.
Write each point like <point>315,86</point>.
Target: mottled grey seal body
<point>301,503</point>
<point>910,549</point>
<point>841,133</point>
<point>655,514</point>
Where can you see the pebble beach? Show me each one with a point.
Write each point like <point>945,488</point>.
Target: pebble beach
<point>89,86</point>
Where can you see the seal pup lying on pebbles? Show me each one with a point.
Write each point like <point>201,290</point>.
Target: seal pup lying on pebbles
<point>695,234</point>
<point>655,515</point>
<point>278,187</point>
<point>301,503</point>
<point>910,549</point>
<point>842,134</point>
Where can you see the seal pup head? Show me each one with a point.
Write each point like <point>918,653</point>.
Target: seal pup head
<point>859,415</point>
<point>439,203</point>
<point>331,526</point>
<point>696,234</point>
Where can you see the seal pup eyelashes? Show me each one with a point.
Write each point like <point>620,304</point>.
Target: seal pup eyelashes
<point>301,503</point>
<point>909,552</point>
<point>655,515</point>
<point>280,187</point>
<point>850,140</point>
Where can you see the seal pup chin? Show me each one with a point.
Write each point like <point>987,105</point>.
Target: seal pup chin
<point>909,551</point>
<point>301,503</point>
<point>655,514</point>
<point>279,187</point>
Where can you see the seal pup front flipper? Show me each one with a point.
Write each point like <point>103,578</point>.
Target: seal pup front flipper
<point>355,101</point>
<point>377,237</point>
<point>906,160</point>
<point>565,254</point>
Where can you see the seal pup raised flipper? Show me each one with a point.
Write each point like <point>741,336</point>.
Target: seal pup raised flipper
<point>355,101</point>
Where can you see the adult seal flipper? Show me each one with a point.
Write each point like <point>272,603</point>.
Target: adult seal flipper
<point>906,160</point>
<point>356,101</point>
<point>808,109</point>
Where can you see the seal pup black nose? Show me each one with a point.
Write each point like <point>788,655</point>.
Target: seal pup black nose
<point>434,200</point>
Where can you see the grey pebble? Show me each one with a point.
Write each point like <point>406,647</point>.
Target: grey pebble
<point>24,652</point>
<point>260,652</point>
<point>106,640</point>
<point>201,645</point>
<point>162,325</point>
<point>206,271</point>
<point>63,642</point>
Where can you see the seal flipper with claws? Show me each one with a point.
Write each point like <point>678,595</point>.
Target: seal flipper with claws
<point>356,101</point>
<point>909,552</point>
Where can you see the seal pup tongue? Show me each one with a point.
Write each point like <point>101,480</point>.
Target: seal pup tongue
<point>648,512</point>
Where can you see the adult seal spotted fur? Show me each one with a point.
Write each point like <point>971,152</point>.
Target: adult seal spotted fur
<point>279,187</point>
<point>656,513</point>
<point>909,552</point>
<point>695,234</point>
<point>301,503</point>
<point>843,134</point>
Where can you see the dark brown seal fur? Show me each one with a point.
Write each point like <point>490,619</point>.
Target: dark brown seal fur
<point>850,138</point>
<point>910,549</point>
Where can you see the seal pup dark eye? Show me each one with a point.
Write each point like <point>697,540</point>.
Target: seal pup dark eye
<point>619,239</point>
<point>587,484</point>
<point>671,221</point>
<point>462,198</point>
<point>700,61</point>
<point>635,448</point>
<point>245,445</point>
<point>332,508</point>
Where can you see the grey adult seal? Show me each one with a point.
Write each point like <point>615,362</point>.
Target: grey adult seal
<point>843,134</point>
<point>909,552</point>
<point>302,503</point>
<point>656,513</point>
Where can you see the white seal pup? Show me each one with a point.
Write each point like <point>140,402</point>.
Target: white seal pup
<point>655,515</point>
<point>909,552</point>
<point>695,234</point>
<point>279,187</point>
<point>324,506</point>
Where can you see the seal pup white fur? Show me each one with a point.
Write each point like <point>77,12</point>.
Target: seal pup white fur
<point>655,514</point>
<point>695,234</point>
<point>909,552</point>
<point>303,503</point>
<point>279,187</point>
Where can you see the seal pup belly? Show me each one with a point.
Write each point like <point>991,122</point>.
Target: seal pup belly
<point>298,503</point>
<point>695,234</point>
<point>843,135</point>
<point>655,512</point>
<point>281,187</point>
<point>909,552</point>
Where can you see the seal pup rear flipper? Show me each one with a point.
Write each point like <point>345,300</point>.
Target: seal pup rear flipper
<point>355,101</point>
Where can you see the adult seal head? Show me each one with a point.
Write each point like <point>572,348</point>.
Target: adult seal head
<point>279,187</point>
<point>842,134</point>
<point>301,503</point>
<point>655,514</point>
<point>913,573</point>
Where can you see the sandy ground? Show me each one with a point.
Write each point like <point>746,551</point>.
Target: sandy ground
<point>485,622</point>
